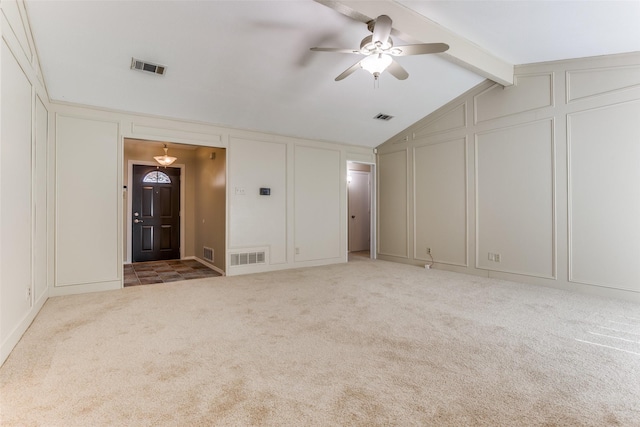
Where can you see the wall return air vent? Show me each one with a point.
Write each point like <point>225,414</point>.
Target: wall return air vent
<point>137,64</point>
<point>207,254</point>
<point>247,258</point>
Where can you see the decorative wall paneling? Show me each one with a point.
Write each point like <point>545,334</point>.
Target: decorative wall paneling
<point>516,163</point>
<point>451,120</point>
<point>16,206</point>
<point>25,176</point>
<point>211,137</point>
<point>551,164</point>
<point>529,92</point>
<point>319,231</point>
<point>604,203</point>
<point>583,84</point>
<point>440,195</point>
<point>88,203</point>
<point>256,220</point>
<point>393,232</point>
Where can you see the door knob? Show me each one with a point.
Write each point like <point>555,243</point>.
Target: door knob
<point>353,216</point>
<point>135,221</point>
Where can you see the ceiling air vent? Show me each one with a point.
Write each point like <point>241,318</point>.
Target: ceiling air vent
<point>384,117</point>
<point>148,67</point>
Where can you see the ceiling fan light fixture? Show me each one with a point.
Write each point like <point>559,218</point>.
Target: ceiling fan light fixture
<point>376,64</point>
<point>165,160</point>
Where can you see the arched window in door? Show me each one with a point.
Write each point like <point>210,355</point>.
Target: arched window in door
<point>157,177</point>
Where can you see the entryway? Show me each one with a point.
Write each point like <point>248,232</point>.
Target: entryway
<point>174,216</point>
<point>361,212</point>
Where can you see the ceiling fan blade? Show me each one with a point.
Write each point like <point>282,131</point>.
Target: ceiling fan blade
<point>397,71</point>
<point>419,49</point>
<point>382,29</point>
<point>346,73</point>
<point>334,49</point>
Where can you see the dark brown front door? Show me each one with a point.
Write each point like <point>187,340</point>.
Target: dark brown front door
<point>156,213</point>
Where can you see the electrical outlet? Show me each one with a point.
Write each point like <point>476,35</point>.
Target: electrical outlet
<point>428,251</point>
<point>496,257</point>
<point>29,295</point>
<point>239,191</point>
<point>297,251</point>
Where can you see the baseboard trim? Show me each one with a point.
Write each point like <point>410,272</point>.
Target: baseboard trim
<point>208,264</point>
<point>14,337</point>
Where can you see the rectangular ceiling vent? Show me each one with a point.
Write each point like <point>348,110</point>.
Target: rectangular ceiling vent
<point>247,258</point>
<point>382,116</point>
<point>148,67</point>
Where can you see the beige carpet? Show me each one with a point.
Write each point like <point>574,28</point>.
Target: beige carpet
<point>366,343</point>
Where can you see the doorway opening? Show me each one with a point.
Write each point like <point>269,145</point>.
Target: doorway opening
<point>361,242</point>
<point>155,202</point>
<point>174,217</point>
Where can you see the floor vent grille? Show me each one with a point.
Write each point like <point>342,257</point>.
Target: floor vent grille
<point>247,258</point>
<point>148,67</point>
<point>207,254</point>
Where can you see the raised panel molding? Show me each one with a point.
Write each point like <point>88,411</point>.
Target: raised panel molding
<point>146,131</point>
<point>317,206</point>
<point>440,202</point>
<point>515,199</point>
<point>393,220</point>
<point>252,164</point>
<point>361,157</point>
<point>453,119</point>
<point>400,139</point>
<point>12,12</point>
<point>604,196</point>
<point>529,92</point>
<point>16,187</point>
<point>88,202</point>
<point>583,84</point>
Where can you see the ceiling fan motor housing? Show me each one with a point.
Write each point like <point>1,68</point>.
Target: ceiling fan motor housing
<point>368,46</point>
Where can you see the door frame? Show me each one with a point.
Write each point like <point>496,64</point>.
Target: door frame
<point>130,203</point>
<point>373,237</point>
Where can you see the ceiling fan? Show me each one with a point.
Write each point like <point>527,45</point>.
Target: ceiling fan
<point>378,50</point>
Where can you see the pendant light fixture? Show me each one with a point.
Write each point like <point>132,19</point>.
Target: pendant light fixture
<point>165,160</point>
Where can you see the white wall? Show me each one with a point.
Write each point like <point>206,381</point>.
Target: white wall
<point>544,173</point>
<point>88,204</point>
<point>303,222</point>
<point>61,211</point>
<point>25,234</point>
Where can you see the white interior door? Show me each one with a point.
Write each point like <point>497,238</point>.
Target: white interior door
<point>359,211</point>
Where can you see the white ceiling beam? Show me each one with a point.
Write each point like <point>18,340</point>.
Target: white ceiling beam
<point>415,28</point>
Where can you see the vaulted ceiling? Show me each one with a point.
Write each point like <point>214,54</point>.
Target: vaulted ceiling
<point>247,64</point>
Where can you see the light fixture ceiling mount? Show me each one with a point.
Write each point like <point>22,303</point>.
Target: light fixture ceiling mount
<point>165,160</point>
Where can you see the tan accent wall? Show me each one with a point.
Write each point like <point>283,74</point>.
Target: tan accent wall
<point>210,203</point>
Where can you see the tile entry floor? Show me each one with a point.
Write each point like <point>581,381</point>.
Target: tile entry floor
<point>146,273</point>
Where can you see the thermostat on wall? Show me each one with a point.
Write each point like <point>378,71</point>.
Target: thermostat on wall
<point>265,191</point>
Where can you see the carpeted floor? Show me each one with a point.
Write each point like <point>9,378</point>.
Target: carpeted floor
<point>365,343</point>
